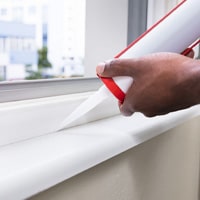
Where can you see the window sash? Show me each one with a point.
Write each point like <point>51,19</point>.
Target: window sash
<point>23,90</point>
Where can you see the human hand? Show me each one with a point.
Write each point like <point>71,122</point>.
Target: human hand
<point>163,82</point>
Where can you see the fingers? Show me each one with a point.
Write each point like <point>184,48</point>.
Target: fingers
<point>119,67</point>
<point>128,66</point>
<point>116,67</point>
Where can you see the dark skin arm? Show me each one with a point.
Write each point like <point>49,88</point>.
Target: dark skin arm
<point>163,82</point>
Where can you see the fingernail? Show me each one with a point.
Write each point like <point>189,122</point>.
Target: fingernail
<point>100,68</point>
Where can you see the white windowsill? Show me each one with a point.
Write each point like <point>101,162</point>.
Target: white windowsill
<point>32,164</point>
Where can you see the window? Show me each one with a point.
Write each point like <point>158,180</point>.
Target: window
<point>70,37</point>
<point>32,10</point>
<point>2,45</point>
<point>56,31</point>
<point>3,12</point>
<point>17,13</point>
<point>62,36</point>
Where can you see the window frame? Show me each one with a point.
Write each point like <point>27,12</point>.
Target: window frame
<point>32,89</point>
<point>24,90</point>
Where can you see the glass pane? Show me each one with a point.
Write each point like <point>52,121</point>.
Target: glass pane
<point>41,39</point>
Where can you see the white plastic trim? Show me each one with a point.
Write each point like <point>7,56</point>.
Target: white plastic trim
<point>31,166</point>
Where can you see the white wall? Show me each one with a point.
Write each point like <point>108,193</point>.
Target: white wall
<point>163,168</point>
<point>106,31</point>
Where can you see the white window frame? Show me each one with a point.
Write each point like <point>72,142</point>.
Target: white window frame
<point>23,90</point>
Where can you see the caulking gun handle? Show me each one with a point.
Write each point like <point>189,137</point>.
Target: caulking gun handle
<point>114,88</point>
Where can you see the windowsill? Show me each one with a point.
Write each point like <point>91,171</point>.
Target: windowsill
<point>37,163</point>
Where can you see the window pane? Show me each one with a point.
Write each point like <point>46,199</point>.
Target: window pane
<point>41,39</point>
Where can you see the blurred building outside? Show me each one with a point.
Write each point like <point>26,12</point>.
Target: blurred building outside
<point>53,27</point>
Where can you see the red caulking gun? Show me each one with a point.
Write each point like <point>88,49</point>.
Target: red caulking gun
<point>175,32</point>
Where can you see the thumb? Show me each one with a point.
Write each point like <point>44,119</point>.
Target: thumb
<point>116,67</point>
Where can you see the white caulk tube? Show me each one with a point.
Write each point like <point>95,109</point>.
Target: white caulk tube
<point>173,33</point>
